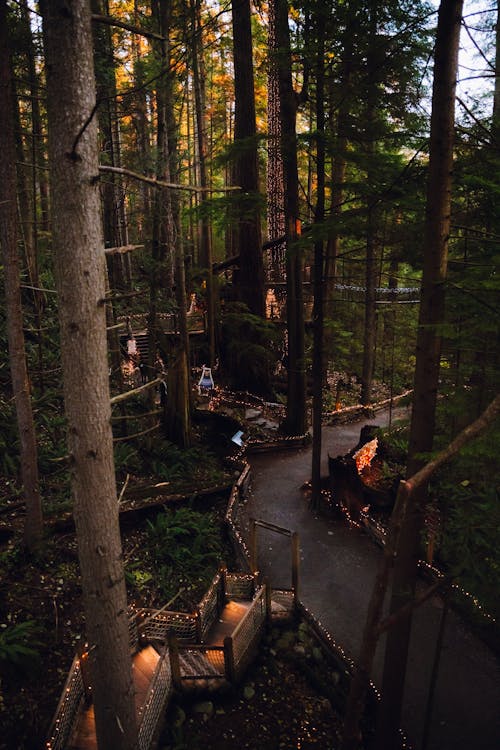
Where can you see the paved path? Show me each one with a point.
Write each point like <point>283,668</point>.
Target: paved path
<point>338,566</point>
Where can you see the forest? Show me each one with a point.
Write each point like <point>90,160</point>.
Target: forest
<point>289,205</point>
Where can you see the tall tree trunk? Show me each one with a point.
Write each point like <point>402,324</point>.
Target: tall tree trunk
<point>251,276</point>
<point>141,127</point>
<point>39,161</point>
<point>431,317</point>
<point>295,421</point>
<point>369,332</point>
<point>29,217</point>
<point>275,179</point>
<point>15,335</point>
<point>318,280</point>
<point>338,172</point>
<point>177,412</point>
<point>114,220</point>
<point>205,252</point>
<point>496,97</point>
<point>80,280</point>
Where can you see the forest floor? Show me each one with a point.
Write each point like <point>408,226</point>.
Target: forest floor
<point>289,671</point>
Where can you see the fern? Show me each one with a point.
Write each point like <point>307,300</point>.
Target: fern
<point>19,644</point>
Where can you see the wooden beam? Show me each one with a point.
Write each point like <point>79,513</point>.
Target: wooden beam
<point>134,391</point>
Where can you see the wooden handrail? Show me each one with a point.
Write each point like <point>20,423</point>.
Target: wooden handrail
<point>272,527</point>
<point>256,599</point>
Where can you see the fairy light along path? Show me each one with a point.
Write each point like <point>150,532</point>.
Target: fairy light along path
<point>338,564</point>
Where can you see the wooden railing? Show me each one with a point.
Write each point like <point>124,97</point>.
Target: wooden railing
<point>240,646</point>
<point>167,321</point>
<point>212,604</point>
<point>160,689</point>
<point>67,709</point>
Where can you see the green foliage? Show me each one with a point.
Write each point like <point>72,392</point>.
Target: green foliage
<point>9,444</point>
<point>127,458</point>
<point>186,543</point>
<point>137,577</point>
<point>195,466</point>
<point>470,546</point>
<point>19,645</point>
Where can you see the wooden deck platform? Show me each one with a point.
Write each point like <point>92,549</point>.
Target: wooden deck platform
<point>143,666</point>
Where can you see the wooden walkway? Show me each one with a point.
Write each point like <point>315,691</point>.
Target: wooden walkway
<point>229,618</point>
<point>144,664</point>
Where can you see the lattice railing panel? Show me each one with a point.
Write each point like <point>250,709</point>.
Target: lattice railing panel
<point>248,629</point>
<point>211,604</point>
<point>69,704</point>
<point>282,602</point>
<point>167,321</point>
<point>158,626</point>
<point>133,632</point>
<point>240,585</point>
<point>158,694</point>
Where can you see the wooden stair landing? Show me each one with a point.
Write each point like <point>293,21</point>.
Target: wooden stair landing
<point>143,666</point>
<point>233,612</point>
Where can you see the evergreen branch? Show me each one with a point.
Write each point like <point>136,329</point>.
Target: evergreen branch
<point>162,184</point>
<point>110,21</point>
<point>465,436</point>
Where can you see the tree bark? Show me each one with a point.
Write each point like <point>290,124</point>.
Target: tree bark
<point>178,408</point>
<point>246,172</point>
<point>318,280</point>
<point>114,217</point>
<point>80,279</point>
<point>436,234</point>
<point>8,241</point>
<point>275,179</point>
<point>495,129</point>
<point>205,248</point>
<point>369,332</point>
<point>295,421</point>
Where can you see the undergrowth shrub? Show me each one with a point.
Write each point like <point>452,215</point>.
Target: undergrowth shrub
<point>185,546</point>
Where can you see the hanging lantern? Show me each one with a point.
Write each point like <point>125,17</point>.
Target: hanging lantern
<point>206,382</point>
<point>131,346</point>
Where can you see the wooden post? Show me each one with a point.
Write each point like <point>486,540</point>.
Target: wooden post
<point>83,657</point>
<point>197,615</point>
<point>229,664</point>
<point>223,580</point>
<point>253,545</point>
<point>173,654</point>
<point>268,601</point>
<point>295,566</point>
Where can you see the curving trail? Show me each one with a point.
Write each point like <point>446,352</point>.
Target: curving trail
<point>338,566</point>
